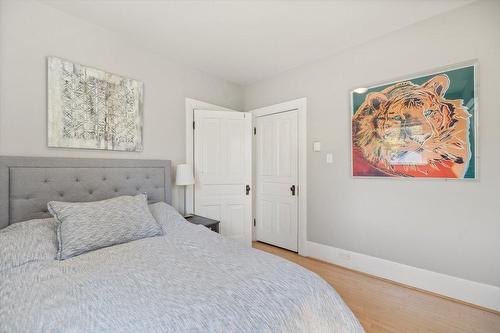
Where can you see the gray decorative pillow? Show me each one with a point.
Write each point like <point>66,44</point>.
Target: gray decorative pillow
<point>88,226</point>
<point>28,241</point>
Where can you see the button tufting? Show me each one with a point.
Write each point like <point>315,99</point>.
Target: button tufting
<point>138,188</point>
<point>77,179</point>
<point>61,194</point>
<point>116,190</point>
<point>128,177</point>
<point>45,180</point>
<point>90,192</point>
<point>103,179</point>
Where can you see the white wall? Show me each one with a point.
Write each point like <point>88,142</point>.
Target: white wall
<point>447,227</point>
<point>30,31</point>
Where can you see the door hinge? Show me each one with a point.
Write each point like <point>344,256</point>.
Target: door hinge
<point>193,125</point>
<point>254,224</point>
<point>255,131</point>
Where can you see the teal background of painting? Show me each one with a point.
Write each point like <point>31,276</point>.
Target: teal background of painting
<point>461,87</point>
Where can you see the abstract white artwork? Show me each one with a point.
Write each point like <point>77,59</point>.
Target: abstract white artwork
<point>93,109</point>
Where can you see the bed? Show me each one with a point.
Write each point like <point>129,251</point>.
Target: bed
<point>190,279</point>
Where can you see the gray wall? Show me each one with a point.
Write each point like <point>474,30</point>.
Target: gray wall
<point>448,227</point>
<point>30,31</point>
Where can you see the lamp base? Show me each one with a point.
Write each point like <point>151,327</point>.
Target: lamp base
<point>184,214</point>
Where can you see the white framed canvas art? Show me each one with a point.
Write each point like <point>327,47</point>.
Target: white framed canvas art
<point>90,108</point>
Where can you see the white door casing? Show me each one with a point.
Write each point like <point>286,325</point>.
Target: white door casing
<point>277,179</point>
<point>222,166</point>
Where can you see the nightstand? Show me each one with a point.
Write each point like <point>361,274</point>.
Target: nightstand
<point>205,221</point>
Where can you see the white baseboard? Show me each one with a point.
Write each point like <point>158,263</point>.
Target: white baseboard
<point>481,294</point>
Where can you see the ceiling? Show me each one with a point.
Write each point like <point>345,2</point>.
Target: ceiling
<point>247,41</point>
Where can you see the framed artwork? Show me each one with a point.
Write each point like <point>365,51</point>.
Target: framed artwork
<point>420,127</point>
<point>93,109</point>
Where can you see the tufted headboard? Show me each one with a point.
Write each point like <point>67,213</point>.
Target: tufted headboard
<point>28,183</point>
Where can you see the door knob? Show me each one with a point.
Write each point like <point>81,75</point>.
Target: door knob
<point>247,189</point>
<point>292,189</point>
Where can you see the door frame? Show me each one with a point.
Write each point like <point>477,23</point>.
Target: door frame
<point>190,106</point>
<point>301,106</point>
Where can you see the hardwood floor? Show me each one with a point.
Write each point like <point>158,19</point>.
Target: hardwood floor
<point>384,306</point>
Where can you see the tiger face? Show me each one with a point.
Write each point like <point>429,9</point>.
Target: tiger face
<point>413,127</point>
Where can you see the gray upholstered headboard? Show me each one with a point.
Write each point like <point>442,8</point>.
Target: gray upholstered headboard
<point>28,183</point>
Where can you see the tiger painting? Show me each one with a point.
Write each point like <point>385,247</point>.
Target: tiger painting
<point>411,130</point>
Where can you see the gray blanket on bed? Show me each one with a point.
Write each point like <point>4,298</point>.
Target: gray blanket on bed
<point>189,280</point>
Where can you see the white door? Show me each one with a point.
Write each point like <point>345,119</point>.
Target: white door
<point>276,179</point>
<point>223,170</point>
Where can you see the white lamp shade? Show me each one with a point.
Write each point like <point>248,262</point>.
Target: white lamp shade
<point>184,175</point>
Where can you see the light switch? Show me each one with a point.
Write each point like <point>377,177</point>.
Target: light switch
<point>329,158</point>
<point>317,146</point>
